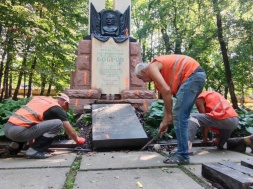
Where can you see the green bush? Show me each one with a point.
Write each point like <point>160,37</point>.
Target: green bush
<point>245,126</point>
<point>7,107</point>
<point>153,119</point>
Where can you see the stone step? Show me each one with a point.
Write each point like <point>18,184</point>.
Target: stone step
<point>228,174</point>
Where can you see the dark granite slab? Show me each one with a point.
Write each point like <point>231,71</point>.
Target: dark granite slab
<point>116,126</point>
<point>228,175</point>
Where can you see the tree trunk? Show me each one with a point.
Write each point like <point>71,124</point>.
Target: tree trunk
<point>49,89</point>
<point>178,40</point>
<point>20,75</point>
<point>15,94</point>
<point>43,84</point>
<point>166,40</point>
<point>4,93</point>
<point>2,67</point>
<point>10,86</point>
<point>225,55</point>
<point>29,93</point>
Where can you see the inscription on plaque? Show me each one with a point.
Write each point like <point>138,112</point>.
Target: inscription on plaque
<point>110,66</point>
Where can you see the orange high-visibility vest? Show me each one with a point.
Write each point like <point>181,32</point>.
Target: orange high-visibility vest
<point>216,106</point>
<point>32,112</point>
<point>176,69</point>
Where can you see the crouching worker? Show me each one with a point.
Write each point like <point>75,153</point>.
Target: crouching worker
<point>215,113</point>
<point>40,119</point>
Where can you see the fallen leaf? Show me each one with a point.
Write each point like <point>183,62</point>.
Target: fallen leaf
<point>139,185</point>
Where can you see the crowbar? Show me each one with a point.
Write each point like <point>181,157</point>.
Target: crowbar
<point>158,134</point>
<point>76,149</point>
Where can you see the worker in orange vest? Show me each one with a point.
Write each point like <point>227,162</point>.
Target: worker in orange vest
<point>180,76</point>
<point>41,119</point>
<point>216,114</point>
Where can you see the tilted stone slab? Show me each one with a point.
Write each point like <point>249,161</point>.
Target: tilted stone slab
<point>227,177</point>
<point>116,125</point>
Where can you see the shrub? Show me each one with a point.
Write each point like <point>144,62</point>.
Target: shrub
<point>7,107</point>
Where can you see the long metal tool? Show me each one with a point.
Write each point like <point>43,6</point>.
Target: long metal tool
<point>158,134</point>
<point>76,149</point>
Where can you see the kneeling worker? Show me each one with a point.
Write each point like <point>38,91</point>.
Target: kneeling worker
<point>41,119</point>
<point>215,113</point>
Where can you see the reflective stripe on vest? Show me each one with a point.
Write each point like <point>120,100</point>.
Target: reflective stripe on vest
<point>27,120</point>
<point>22,118</point>
<point>180,71</point>
<point>224,107</point>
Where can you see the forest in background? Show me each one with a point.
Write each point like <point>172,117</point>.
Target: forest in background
<point>39,40</point>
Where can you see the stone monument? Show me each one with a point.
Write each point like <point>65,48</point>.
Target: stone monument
<point>105,69</point>
<point>105,64</point>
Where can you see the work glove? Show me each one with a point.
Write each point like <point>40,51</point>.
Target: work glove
<point>80,141</point>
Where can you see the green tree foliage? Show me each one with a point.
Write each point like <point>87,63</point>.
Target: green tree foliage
<point>39,40</point>
<point>190,27</point>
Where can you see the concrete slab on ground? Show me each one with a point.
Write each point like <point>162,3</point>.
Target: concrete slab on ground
<point>58,159</point>
<point>115,126</point>
<point>33,178</point>
<point>121,160</point>
<point>212,155</point>
<point>157,178</point>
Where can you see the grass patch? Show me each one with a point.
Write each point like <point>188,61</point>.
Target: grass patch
<point>71,175</point>
<point>200,181</point>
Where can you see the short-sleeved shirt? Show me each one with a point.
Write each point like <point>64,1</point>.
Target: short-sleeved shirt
<point>55,112</point>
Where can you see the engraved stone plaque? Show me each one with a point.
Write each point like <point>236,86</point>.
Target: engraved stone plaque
<point>110,66</point>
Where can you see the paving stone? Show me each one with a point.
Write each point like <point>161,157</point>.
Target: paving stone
<point>172,178</point>
<point>121,160</point>
<point>226,176</point>
<point>59,159</point>
<point>116,125</point>
<point>212,155</point>
<point>43,178</point>
<point>247,163</point>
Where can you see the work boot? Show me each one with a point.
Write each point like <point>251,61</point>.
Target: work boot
<point>9,151</point>
<point>236,144</point>
<point>42,143</point>
<point>249,142</point>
